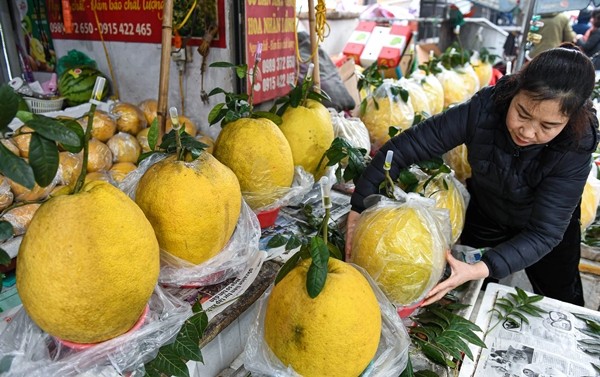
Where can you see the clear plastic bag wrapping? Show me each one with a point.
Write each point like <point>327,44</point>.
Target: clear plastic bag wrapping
<point>390,360</point>
<point>31,352</point>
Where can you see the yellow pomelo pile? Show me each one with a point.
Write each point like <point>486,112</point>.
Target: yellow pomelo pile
<point>193,206</point>
<point>119,171</point>
<point>309,131</point>
<point>397,245</point>
<point>103,125</point>
<point>589,205</point>
<point>124,147</point>
<point>335,334</point>
<point>149,108</point>
<point>260,156</point>
<point>457,159</point>
<point>88,264</point>
<point>70,165</point>
<point>381,113</point>
<point>450,199</point>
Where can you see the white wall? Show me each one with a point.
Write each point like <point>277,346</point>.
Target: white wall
<point>137,68</point>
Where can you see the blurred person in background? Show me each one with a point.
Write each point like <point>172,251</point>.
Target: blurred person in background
<point>590,44</point>
<point>556,30</point>
<point>583,22</point>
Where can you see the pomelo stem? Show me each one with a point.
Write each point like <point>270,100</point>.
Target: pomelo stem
<point>86,149</point>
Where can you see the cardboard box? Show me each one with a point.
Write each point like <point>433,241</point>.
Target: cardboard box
<point>348,74</point>
<point>423,51</point>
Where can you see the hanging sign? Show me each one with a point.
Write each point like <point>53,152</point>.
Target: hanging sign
<point>131,20</point>
<point>272,23</point>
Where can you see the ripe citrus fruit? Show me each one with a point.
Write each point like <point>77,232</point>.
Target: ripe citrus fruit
<point>260,156</point>
<point>334,334</point>
<point>124,147</point>
<point>88,264</point>
<point>103,125</point>
<point>383,112</point>
<point>130,118</point>
<point>401,249</point>
<point>193,206</point>
<point>309,132</point>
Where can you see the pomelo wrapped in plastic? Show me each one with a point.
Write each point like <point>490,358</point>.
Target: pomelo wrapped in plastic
<point>469,77</point>
<point>417,97</point>
<point>483,69</point>
<point>449,194</point>
<point>456,90</point>
<point>457,159</point>
<point>590,200</point>
<point>403,246</point>
<point>351,129</point>
<point>433,90</point>
<point>386,108</point>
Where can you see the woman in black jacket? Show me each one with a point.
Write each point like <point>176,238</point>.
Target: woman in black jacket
<point>529,141</point>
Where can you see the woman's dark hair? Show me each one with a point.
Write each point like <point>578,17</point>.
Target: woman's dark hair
<point>563,73</point>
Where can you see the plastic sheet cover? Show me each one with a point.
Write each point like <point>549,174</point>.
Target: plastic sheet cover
<point>26,350</point>
<point>390,360</point>
<point>403,246</point>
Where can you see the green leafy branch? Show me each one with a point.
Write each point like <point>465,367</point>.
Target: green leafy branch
<point>515,308</point>
<point>236,106</point>
<point>455,57</point>
<point>590,345</point>
<point>351,161</point>
<point>177,142</point>
<point>42,164</point>
<point>443,336</point>
<point>172,358</point>
<point>298,96</point>
<point>486,56</point>
<point>408,181</point>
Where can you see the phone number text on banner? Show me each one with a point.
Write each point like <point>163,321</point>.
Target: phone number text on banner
<point>119,20</point>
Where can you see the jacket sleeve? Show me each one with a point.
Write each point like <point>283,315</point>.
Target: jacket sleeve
<point>554,203</point>
<point>431,138</point>
<point>591,44</point>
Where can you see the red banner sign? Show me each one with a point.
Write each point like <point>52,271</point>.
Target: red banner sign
<point>272,23</point>
<point>137,21</point>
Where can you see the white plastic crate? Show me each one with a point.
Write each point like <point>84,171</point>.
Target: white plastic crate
<point>38,106</point>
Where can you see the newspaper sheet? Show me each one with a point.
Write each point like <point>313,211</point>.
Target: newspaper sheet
<point>550,345</point>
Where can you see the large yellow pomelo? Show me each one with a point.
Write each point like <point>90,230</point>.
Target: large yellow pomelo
<point>589,205</point>
<point>417,97</point>
<point>103,125</point>
<point>88,264</point>
<point>456,90</point>
<point>193,206</point>
<point>260,156</point>
<point>470,79</point>
<point>435,93</point>
<point>149,107</point>
<point>130,118</point>
<point>309,131</point>
<point>483,72</point>
<point>381,113</point>
<point>100,157</point>
<point>124,147</point>
<point>398,247</point>
<point>334,334</point>
<point>457,159</point>
<point>447,196</point>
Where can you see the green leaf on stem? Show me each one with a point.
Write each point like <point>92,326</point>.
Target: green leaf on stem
<point>9,104</point>
<point>153,134</point>
<point>54,130</point>
<point>170,363</point>
<point>317,272</point>
<point>287,267</point>
<point>75,127</point>
<point>6,230</point>
<point>15,168</point>
<point>43,158</point>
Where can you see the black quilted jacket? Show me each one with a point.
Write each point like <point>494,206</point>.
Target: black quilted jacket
<point>533,190</point>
